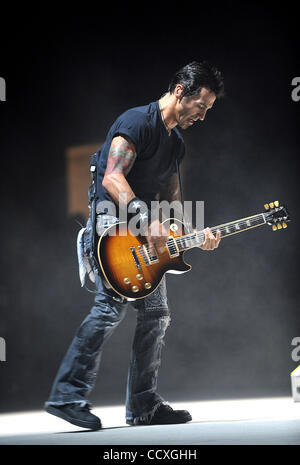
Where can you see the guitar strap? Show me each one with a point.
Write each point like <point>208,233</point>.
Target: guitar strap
<point>187,221</point>
<point>92,202</point>
<point>93,217</point>
<point>179,177</point>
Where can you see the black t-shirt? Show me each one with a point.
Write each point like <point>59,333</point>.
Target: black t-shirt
<point>156,151</point>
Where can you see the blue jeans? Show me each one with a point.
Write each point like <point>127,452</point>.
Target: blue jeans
<point>77,373</point>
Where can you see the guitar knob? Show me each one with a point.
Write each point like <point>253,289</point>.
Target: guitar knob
<point>148,285</point>
<point>126,280</point>
<point>279,226</point>
<point>276,203</point>
<point>274,227</point>
<point>284,225</point>
<point>266,205</point>
<point>135,289</point>
<point>271,205</point>
<point>139,276</point>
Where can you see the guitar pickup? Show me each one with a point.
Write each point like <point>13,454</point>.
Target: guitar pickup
<point>144,255</point>
<point>172,247</point>
<point>135,258</point>
<point>148,259</point>
<point>153,258</point>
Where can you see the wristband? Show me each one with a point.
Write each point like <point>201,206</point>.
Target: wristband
<point>137,207</point>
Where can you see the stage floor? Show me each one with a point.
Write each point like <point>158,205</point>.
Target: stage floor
<point>240,422</point>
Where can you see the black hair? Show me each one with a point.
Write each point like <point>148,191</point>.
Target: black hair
<point>196,75</point>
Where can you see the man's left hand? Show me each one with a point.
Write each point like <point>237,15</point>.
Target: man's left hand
<point>211,242</point>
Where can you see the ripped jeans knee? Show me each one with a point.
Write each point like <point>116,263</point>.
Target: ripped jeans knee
<point>142,398</point>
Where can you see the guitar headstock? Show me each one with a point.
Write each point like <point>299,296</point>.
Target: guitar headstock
<point>276,215</point>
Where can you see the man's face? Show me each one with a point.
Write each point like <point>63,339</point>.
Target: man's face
<point>191,109</point>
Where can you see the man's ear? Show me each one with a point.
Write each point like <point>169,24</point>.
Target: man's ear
<point>178,92</point>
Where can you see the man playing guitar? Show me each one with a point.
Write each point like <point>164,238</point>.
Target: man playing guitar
<point>137,163</point>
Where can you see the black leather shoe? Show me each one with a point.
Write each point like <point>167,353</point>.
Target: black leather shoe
<point>76,414</point>
<point>164,415</point>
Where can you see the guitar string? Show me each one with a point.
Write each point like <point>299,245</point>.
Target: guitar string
<point>196,235</point>
<point>201,234</point>
<point>146,256</point>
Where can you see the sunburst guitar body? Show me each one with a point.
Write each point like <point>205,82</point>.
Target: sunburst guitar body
<point>133,272</point>
<point>127,264</point>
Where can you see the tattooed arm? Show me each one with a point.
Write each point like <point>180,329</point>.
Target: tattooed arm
<point>120,160</point>
<point>121,157</point>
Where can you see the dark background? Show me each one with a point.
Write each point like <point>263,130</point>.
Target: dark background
<point>235,314</point>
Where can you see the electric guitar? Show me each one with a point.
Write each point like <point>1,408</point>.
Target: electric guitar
<point>133,272</point>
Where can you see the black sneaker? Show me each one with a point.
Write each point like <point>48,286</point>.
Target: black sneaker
<point>76,414</point>
<point>165,415</point>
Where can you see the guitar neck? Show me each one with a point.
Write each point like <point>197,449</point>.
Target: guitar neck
<point>197,238</point>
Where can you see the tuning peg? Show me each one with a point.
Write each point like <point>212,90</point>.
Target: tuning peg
<point>279,226</point>
<point>266,206</point>
<point>271,205</point>
<point>274,227</point>
<point>284,225</point>
<point>276,203</point>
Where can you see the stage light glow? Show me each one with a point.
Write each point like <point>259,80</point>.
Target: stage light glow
<point>263,409</point>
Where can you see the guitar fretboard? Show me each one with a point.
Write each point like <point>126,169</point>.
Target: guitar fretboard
<point>197,238</point>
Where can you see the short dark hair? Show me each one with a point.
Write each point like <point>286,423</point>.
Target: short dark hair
<point>196,75</point>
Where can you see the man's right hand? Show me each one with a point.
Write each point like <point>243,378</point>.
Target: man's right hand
<point>157,237</point>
